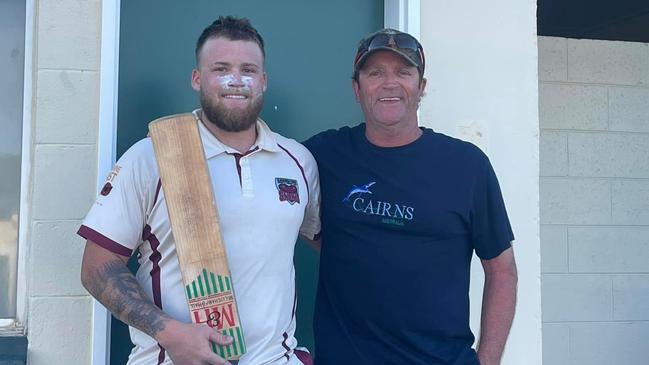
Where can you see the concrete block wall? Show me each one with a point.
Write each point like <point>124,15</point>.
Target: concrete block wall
<point>594,197</point>
<point>65,103</point>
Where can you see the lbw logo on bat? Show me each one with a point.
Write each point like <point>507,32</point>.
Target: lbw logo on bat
<point>392,213</point>
<point>287,189</point>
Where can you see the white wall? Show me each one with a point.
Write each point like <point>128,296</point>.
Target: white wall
<point>482,86</point>
<point>64,137</point>
<point>594,115</point>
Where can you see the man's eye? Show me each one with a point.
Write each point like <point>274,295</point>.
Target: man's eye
<point>249,70</point>
<point>374,73</point>
<point>405,72</point>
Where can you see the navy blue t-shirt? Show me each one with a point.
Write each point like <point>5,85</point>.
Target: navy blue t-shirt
<point>399,226</point>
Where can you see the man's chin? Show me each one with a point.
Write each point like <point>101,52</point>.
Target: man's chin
<point>234,126</point>
<point>236,104</point>
<point>233,115</point>
<point>234,122</point>
<point>389,119</point>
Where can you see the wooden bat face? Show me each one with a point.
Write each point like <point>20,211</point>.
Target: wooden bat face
<point>195,227</point>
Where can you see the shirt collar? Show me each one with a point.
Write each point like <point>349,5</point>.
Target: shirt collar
<point>265,139</point>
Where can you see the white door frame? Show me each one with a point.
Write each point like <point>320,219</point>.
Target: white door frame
<point>403,15</point>
<point>106,150</point>
<point>399,14</point>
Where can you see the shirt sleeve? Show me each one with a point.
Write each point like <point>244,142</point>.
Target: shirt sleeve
<point>117,219</point>
<point>311,224</point>
<point>491,231</point>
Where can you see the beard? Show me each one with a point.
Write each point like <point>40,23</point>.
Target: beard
<point>231,120</point>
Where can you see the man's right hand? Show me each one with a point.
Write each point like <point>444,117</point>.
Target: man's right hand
<point>105,275</point>
<point>190,344</point>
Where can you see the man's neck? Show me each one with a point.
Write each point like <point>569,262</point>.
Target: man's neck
<point>392,136</point>
<point>240,141</point>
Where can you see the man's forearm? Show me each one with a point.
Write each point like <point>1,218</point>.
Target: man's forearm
<point>498,307</point>
<point>112,284</point>
<point>105,275</point>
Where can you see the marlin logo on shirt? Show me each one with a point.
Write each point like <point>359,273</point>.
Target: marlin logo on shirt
<point>391,213</point>
<point>362,189</point>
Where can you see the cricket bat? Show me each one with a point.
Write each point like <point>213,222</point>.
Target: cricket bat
<point>195,226</point>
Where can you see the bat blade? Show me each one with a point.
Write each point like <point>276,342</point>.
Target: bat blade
<point>195,226</point>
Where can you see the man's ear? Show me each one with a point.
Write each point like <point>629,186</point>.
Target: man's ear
<point>265,81</point>
<point>422,87</point>
<point>196,80</point>
<point>357,89</point>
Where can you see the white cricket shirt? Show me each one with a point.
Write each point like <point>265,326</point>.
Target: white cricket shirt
<point>265,198</point>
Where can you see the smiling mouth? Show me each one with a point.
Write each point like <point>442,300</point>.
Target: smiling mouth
<point>235,96</point>
<point>390,99</point>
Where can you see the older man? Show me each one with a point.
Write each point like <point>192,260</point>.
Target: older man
<point>403,210</point>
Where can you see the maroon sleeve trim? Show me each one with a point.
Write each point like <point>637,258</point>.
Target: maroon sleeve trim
<point>304,357</point>
<point>103,241</point>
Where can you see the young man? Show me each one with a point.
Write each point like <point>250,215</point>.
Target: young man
<point>248,164</point>
<point>403,210</point>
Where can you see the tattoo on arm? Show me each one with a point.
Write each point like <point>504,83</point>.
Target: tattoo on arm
<point>118,290</point>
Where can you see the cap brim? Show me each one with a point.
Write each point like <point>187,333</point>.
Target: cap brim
<point>362,60</point>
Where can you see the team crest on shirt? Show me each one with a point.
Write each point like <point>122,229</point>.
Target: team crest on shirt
<point>109,179</point>
<point>288,190</point>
